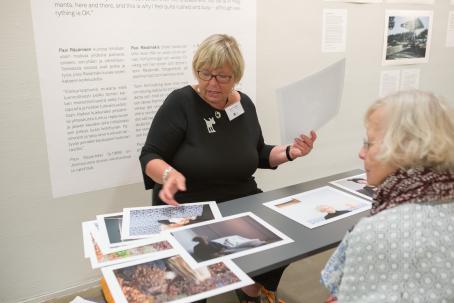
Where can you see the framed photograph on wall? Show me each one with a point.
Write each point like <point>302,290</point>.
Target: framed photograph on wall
<point>407,37</point>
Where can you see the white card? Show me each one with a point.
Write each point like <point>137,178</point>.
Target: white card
<point>234,110</point>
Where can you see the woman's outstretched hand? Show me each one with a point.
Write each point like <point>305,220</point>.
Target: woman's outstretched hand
<point>302,145</point>
<point>175,182</point>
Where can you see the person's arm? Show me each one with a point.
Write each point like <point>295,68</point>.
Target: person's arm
<point>172,180</point>
<point>164,138</point>
<point>300,147</point>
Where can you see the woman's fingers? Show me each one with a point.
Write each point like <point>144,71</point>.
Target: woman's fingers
<point>175,182</point>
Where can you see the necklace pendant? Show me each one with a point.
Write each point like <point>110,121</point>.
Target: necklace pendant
<point>217,114</point>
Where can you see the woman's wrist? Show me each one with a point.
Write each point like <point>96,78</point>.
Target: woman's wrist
<point>166,173</point>
<point>287,153</point>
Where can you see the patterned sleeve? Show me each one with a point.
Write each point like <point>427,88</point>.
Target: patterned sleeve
<point>331,275</point>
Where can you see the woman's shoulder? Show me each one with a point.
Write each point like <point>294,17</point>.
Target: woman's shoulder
<point>409,215</point>
<point>179,94</point>
<point>178,98</point>
<point>244,97</point>
<point>246,101</point>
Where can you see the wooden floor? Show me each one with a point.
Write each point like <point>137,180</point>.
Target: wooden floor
<point>300,284</point>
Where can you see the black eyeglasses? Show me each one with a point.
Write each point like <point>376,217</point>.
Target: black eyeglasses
<point>207,76</point>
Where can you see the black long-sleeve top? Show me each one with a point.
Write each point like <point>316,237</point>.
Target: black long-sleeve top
<point>217,165</point>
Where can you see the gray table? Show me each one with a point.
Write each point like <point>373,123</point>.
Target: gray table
<point>307,241</point>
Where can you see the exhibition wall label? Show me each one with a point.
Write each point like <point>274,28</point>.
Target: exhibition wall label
<point>105,67</point>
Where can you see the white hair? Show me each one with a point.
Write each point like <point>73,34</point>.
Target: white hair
<point>418,130</point>
<point>217,50</point>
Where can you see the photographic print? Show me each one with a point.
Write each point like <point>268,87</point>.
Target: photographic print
<point>319,206</point>
<point>142,222</point>
<point>87,227</point>
<point>229,237</point>
<point>146,248</point>
<point>171,279</point>
<point>407,37</point>
<point>109,235</point>
<point>357,185</point>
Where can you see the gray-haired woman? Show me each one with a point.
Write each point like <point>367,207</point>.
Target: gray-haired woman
<point>403,252</point>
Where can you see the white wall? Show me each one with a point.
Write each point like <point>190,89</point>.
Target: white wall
<point>288,49</point>
<point>41,246</point>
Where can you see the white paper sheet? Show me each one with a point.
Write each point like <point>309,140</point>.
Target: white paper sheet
<point>392,81</point>
<point>234,236</point>
<point>310,103</point>
<point>81,300</point>
<point>142,222</point>
<point>389,82</point>
<point>87,227</point>
<point>158,276</point>
<point>319,206</point>
<point>409,78</point>
<point>334,31</point>
<point>450,30</point>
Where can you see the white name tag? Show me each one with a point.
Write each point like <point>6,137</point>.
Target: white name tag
<point>234,110</point>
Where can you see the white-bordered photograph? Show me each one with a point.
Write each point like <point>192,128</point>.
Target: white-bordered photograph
<point>109,236</point>
<point>142,222</point>
<point>227,238</point>
<point>407,37</point>
<point>142,249</point>
<point>86,231</point>
<point>357,185</point>
<point>171,279</point>
<point>319,206</point>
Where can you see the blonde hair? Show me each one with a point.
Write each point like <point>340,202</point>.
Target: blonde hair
<point>419,130</point>
<point>217,50</point>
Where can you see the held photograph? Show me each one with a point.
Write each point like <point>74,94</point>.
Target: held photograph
<point>171,279</point>
<point>143,222</point>
<point>319,206</point>
<point>407,37</point>
<point>226,238</point>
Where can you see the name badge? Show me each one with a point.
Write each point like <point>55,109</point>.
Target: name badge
<point>235,110</point>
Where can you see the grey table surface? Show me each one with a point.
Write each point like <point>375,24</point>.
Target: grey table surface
<point>307,241</point>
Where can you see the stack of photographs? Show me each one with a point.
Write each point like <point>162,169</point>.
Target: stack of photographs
<point>183,254</point>
<point>175,254</point>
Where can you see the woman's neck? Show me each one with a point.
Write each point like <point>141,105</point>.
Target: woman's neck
<point>217,105</point>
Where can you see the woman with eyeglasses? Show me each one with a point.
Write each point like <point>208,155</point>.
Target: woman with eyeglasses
<point>205,141</point>
<point>403,252</point>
